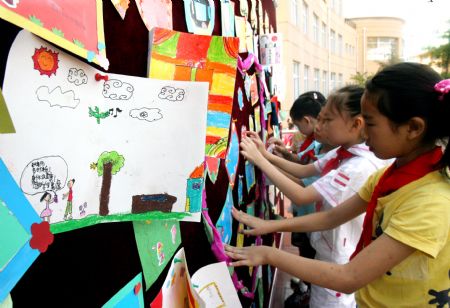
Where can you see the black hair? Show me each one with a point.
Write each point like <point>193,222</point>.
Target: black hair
<point>308,104</point>
<point>347,99</point>
<point>406,90</point>
<point>44,195</point>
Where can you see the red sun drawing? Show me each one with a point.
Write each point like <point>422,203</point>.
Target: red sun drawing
<point>45,61</point>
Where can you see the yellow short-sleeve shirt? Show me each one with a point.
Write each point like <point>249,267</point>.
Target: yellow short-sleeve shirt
<point>418,215</point>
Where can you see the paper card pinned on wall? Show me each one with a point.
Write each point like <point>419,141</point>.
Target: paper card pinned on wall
<point>157,241</point>
<point>212,167</point>
<point>130,296</point>
<point>240,98</point>
<point>240,190</point>
<point>232,158</point>
<point>241,25</point>
<point>249,37</point>
<point>121,6</point>
<point>249,175</point>
<point>17,217</point>
<point>199,16</point>
<point>6,124</point>
<point>257,111</point>
<point>251,123</point>
<point>225,222</point>
<point>155,13</point>
<point>79,29</point>
<point>240,236</point>
<point>227,11</point>
<point>254,95</point>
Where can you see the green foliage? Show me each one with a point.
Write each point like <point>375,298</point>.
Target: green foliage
<point>97,114</point>
<point>440,55</point>
<point>360,78</point>
<point>112,157</point>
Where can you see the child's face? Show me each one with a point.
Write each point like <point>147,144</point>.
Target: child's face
<point>305,125</point>
<point>319,135</point>
<point>382,139</point>
<point>336,128</point>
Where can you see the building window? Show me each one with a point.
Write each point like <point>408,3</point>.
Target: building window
<point>333,81</point>
<point>340,44</point>
<point>325,82</point>
<point>306,78</point>
<point>305,17</point>
<point>296,75</point>
<point>316,79</point>
<point>340,80</point>
<point>332,41</point>
<point>324,35</point>
<point>294,12</point>
<point>382,48</point>
<point>316,28</point>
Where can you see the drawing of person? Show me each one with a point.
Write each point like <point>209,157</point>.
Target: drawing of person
<point>47,212</point>
<point>69,196</point>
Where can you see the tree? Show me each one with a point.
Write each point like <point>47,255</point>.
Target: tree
<point>440,55</point>
<point>360,78</point>
<point>108,164</point>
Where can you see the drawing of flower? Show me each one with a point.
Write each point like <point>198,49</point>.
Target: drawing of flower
<point>41,237</point>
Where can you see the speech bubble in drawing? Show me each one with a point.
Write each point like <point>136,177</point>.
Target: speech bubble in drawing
<point>147,114</point>
<point>77,76</point>
<point>171,94</point>
<point>117,90</point>
<point>57,97</point>
<point>48,173</point>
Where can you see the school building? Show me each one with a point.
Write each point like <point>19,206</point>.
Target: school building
<point>322,50</point>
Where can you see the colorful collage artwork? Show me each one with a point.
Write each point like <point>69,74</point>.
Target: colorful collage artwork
<point>200,15</point>
<point>130,296</point>
<point>17,217</point>
<point>188,57</point>
<point>232,158</point>
<point>56,21</point>
<point>119,176</point>
<point>225,222</point>
<point>155,13</point>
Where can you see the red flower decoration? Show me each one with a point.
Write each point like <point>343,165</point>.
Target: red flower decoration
<point>41,236</point>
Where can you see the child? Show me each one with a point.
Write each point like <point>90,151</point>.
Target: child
<point>343,171</point>
<point>47,212</point>
<point>402,258</point>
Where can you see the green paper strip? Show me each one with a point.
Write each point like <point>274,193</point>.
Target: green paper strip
<point>6,124</point>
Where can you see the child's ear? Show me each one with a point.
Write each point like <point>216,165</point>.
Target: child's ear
<point>358,122</point>
<point>416,128</point>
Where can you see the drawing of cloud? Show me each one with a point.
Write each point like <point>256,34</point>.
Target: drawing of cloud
<point>116,89</point>
<point>77,76</point>
<point>57,97</point>
<point>147,114</point>
<point>171,94</point>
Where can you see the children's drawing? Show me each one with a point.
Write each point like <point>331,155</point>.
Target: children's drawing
<point>240,190</point>
<point>45,61</point>
<point>225,221</point>
<point>240,98</point>
<point>155,13</point>
<point>200,16</point>
<point>270,46</point>
<point>171,94</point>
<point>232,159</point>
<point>241,28</point>
<point>82,209</point>
<point>76,26</point>
<point>121,6</point>
<point>133,179</point>
<point>227,12</point>
<point>212,168</point>
<point>117,90</point>
<point>77,76</point>
<point>249,175</point>
<point>47,212</point>
<point>57,97</point>
<point>157,241</point>
<point>6,124</point>
<point>69,196</point>
<point>17,217</point>
<point>97,114</point>
<point>243,8</point>
<point>131,295</point>
<point>183,56</point>
<point>146,114</point>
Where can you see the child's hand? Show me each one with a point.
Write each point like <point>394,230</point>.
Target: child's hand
<point>249,256</point>
<point>250,151</point>
<point>257,140</point>
<point>258,226</point>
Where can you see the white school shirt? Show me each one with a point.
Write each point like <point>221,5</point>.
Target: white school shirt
<point>337,245</point>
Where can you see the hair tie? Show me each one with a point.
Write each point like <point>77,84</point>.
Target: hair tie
<point>442,87</point>
<point>315,95</point>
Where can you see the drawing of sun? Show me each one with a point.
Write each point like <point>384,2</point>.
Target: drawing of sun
<point>45,61</point>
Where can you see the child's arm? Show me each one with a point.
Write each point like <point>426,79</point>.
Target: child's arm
<point>372,262</point>
<point>295,169</point>
<point>294,191</point>
<point>325,220</point>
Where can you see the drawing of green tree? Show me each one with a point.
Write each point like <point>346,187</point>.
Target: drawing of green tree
<point>108,164</point>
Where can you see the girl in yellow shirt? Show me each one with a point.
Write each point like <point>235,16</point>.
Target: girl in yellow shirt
<point>403,256</point>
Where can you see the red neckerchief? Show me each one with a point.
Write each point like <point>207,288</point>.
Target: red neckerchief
<point>341,154</point>
<point>391,180</point>
<point>310,155</point>
<point>306,143</point>
<point>333,164</point>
